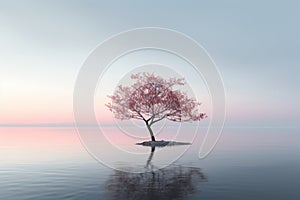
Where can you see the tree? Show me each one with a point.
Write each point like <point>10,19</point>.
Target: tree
<point>151,99</point>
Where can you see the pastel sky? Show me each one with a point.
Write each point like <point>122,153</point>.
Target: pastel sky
<point>255,44</point>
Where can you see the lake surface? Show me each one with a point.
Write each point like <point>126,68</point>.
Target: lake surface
<point>52,164</point>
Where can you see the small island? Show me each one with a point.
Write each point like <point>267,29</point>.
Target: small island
<point>162,143</point>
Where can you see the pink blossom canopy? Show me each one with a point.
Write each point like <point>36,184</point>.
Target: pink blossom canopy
<point>152,98</point>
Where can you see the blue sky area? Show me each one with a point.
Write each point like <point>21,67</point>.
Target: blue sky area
<point>255,44</point>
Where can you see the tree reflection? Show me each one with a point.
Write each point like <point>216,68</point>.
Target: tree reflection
<point>174,182</point>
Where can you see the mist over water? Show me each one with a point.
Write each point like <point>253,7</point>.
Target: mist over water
<point>51,163</point>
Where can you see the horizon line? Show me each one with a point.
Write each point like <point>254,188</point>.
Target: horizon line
<point>69,124</point>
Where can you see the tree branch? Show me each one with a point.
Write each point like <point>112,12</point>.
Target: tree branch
<point>141,115</point>
<point>154,121</point>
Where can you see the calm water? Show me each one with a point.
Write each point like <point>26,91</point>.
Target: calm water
<point>51,163</point>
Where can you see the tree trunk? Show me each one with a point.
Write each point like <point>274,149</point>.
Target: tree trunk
<point>150,131</point>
